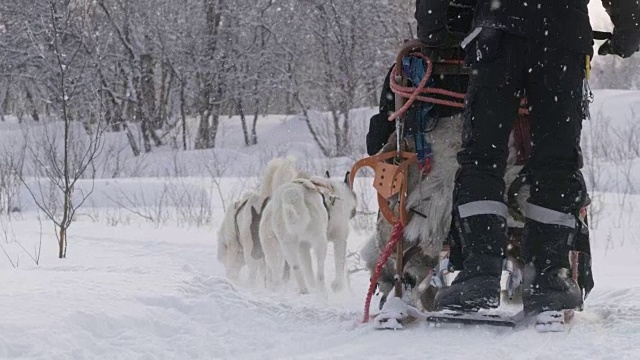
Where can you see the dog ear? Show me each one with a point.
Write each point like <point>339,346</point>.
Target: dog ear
<point>327,175</point>
<point>346,177</point>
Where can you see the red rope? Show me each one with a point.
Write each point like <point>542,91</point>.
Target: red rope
<point>396,235</point>
<point>416,93</point>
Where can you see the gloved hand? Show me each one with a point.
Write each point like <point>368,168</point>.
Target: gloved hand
<point>622,43</point>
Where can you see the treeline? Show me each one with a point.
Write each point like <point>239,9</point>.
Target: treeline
<point>145,67</point>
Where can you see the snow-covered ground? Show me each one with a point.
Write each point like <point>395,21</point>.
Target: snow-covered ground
<point>141,280</point>
<point>141,292</point>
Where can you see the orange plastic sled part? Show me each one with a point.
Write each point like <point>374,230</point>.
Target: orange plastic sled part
<point>389,180</point>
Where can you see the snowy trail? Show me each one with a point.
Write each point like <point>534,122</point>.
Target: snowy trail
<point>174,307</point>
<point>139,292</point>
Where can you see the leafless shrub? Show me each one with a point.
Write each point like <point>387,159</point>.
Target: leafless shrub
<point>611,159</point>
<point>365,220</point>
<point>153,210</point>
<point>11,170</point>
<point>354,263</point>
<point>9,238</point>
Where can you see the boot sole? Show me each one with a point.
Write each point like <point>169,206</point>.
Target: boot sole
<point>474,305</point>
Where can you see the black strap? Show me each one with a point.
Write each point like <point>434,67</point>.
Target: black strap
<point>257,252</point>
<point>235,221</point>
<point>326,206</point>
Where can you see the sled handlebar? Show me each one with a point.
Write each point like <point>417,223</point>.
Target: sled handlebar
<point>605,48</point>
<point>602,35</point>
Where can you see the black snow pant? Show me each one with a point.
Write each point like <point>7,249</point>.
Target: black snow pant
<point>505,68</point>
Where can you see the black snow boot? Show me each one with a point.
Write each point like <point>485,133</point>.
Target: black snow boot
<point>476,287</point>
<point>551,289</point>
<point>547,282</point>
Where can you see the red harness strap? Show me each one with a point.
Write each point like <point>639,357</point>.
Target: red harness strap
<point>522,134</point>
<point>396,236</point>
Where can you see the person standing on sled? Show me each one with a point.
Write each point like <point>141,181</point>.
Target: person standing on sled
<point>537,48</point>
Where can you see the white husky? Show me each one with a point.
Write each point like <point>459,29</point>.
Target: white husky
<point>302,215</point>
<point>238,243</point>
<point>238,239</point>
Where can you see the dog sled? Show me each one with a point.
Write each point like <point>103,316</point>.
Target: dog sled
<point>391,168</point>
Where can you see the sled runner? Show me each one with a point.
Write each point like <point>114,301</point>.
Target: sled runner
<point>548,321</point>
<point>398,314</point>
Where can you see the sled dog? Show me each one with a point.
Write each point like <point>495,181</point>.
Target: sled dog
<point>306,214</point>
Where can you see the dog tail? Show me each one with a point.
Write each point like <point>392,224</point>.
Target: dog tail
<point>279,171</point>
<point>294,210</point>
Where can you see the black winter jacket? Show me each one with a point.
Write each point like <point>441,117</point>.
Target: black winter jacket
<point>379,127</point>
<point>556,23</point>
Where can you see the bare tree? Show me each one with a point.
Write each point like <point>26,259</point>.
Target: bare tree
<point>139,74</point>
<point>59,163</point>
<point>61,151</point>
<point>11,169</point>
<point>155,64</point>
<point>346,47</point>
